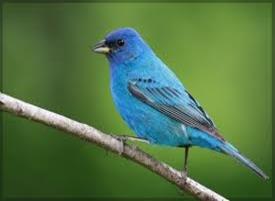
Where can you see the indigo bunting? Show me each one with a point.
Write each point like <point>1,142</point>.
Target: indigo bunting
<point>155,104</point>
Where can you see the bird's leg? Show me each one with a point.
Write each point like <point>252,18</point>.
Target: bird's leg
<point>184,172</point>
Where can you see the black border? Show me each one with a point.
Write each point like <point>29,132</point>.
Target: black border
<point>1,113</point>
<point>123,1</point>
<point>138,1</point>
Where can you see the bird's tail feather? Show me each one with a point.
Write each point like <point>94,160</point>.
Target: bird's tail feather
<point>232,151</point>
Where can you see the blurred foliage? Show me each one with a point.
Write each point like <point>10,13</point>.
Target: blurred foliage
<point>221,51</point>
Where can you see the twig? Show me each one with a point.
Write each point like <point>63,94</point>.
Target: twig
<point>90,134</point>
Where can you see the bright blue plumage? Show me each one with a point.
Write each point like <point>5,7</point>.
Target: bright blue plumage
<point>154,103</point>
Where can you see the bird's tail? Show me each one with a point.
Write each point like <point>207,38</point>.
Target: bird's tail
<point>232,151</point>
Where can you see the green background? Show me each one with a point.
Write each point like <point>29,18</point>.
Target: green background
<point>222,52</point>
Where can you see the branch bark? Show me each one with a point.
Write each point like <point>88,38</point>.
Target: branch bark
<point>92,135</point>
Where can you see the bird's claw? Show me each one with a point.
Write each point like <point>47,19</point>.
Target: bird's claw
<point>122,140</point>
<point>121,148</point>
<point>184,175</point>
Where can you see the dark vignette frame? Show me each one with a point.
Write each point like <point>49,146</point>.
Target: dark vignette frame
<point>121,1</point>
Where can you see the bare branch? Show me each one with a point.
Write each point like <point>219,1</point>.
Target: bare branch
<point>88,133</point>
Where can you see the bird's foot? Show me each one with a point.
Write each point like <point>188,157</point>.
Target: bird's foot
<point>184,175</point>
<point>122,140</point>
<point>121,148</point>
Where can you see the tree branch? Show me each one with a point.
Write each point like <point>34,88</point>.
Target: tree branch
<point>90,134</point>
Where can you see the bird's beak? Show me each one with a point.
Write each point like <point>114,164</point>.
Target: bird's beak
<point>101,47</point>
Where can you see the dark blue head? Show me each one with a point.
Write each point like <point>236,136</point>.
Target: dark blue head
<point>122,45</point>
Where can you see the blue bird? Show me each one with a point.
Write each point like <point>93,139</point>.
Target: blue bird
<point>155,104</point>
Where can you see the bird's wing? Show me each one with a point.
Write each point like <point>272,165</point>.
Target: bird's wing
<point>176,104</point>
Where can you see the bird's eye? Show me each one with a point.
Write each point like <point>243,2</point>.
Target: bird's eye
<point>120,42</point>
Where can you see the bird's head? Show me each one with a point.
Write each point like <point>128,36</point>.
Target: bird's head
<point>122,45</point>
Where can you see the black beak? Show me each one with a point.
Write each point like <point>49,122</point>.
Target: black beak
<point>101,47</point>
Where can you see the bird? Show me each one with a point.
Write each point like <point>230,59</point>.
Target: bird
<point>155,104</point>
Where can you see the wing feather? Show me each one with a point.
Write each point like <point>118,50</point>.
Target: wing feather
<point>180,106</point>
